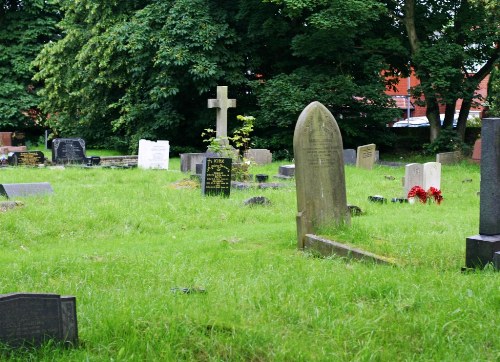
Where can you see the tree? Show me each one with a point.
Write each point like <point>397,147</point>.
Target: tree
<point>25,26</point>
<point>453,46</point>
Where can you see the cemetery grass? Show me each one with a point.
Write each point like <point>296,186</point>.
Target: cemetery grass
<point>126,242</point>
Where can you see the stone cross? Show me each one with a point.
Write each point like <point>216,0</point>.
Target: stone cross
<point>485,248</point>
<point>222,103</point>
<point>319,172</point>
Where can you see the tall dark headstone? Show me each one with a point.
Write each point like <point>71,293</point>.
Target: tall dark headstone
<point>480,249</point>
<point>216,176</point>
<point>36,318</point>
<point>68,150</point>
<point>319,171</point>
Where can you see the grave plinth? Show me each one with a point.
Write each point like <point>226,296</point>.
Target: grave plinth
<point>481,249</point>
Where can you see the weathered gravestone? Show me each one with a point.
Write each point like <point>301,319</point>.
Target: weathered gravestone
<point>449,158</point>
<point>216,176</point>
<point>153,154</point>
<point>5,138</point>
<point>476,152</point>
<point>68,150</point>
<point>222,104</point>
<point>27,158</point>
<point>349,156</point>
<point>366,156</point>
<point>414,176</point>
<point>25,189</point>
<point>319,172</point>
<point>260,156</point>
<point>36,318</point>
<point>286,171</point>
<point>431,175</point>
<point>189,161</point>
<point>481,249</point>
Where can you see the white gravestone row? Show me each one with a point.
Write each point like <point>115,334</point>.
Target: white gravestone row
<point>424,175</point>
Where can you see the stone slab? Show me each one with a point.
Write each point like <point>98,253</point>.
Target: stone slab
<point>480,250</point>
<point>25,189</point>
<point>327,247</point>
<point>36,318</point>
<point>449,158</point>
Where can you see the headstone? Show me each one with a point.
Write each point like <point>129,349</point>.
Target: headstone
<point>153,154</point>
<point>261,177</point>
<point>189,161</point>
<point>5,138</point>
<point>319,174</point>
<point>349,156</point>
<point>286,171</point>
<point>25,189</point>
<point>222,103</point>
<point>476,152</point>
<point>480,249</point>
<point>68,150</point>
<point>216,176</point>
<point>414,176</point>
<point>449,158</point>
<point>259,156</point>
<point>36,318</point>
<point>18,138</point>
<point>431,175</point>
<point>27,158</point>
<point>366,156</point>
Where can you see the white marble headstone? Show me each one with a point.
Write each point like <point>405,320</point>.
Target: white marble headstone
<point>432,175</point>
<point>153,154</point>
<point>414,176</point>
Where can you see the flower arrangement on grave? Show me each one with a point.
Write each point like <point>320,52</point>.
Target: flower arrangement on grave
<point>432,194</point>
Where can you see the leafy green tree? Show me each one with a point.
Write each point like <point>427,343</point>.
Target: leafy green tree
<point>453,46</point>
<point>25,26</point>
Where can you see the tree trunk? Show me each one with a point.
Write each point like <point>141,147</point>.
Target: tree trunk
<point>449,114</point>
<point>432,114</point>
<point>462,117</point>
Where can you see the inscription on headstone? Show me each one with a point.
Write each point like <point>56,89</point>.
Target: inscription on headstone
<point>365,157</point>
<point>36,318</point>
<point>28,158</point>
<point>68,150</point>
<point>216,176</point>
<point>319,171</point>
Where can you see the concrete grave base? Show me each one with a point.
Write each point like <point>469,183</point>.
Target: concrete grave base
<point>480,250</point>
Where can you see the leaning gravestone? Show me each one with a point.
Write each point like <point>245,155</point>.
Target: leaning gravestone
<point>366,156</point>
<point>484,248</point>
<point>25,189</point>
<point>153,154</point>
<point>68,150</point>
<point>36,318</point>
<point>27,158</point>
<point>216,176</point>
<point>319,172</point>
<point>431,175</point>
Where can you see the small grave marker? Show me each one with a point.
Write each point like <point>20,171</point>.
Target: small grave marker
<point>68,150</point>
<point>366,156</point>
<point>27,158</point>
<point>36,318</point>
<point>25,189</point>
<point>216,176</point>
<point>153,154</point>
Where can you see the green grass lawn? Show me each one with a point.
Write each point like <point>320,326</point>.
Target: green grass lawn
<point>121,239</point>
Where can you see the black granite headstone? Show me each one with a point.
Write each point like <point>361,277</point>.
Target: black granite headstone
<point>216,176</point>
<point>480,249</point>
<point>68,150</point>
<point>92,160</point>
<point>36,318</point>
<point>26,158</point>
<point>27,189</point>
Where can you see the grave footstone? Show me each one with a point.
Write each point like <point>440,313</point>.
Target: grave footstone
<point>68,150</point>
<point>216,176</point>
<point>37,318</point>
<point>153,155</point>
<point>25,189</point>
<point>319,172</point>
<point>27,158</point>
<point>481,249</point>
<point>365,157</point>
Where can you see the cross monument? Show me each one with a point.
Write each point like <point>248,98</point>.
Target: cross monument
<point>222,103</point>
